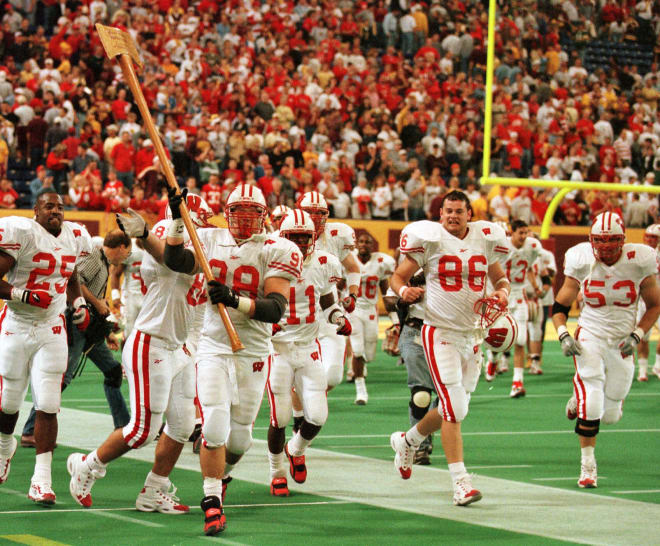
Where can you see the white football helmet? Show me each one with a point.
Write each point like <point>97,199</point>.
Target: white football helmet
<point>652,235</point>
<point>245,211</point>
<point>315,205</point>
<point>500,330</point>
<point>278,214</point>
<point>299,228</point>
<point>607,237</point>
<point>199,210</point>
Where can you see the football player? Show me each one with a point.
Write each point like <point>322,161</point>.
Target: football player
<point>297,354</point>
<point>457,256</point>
<point>39,257</point>
<point>613,276</point>
<point>159,370</point>
<point>129,298</point>
<point>276,217</point>
<point>651,238</point>
<point>375,270</point>
<point>253,273</point>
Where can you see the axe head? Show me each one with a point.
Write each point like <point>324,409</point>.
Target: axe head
<point>118,42</point>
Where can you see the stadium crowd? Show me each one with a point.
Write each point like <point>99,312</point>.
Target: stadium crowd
<point>377,105</point>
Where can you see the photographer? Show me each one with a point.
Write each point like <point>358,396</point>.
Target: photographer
<point>93,275</point>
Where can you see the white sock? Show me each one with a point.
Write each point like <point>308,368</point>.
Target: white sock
<point>643,365</point>
<point>198,421</point>
<point>298,413</point>
<point>360,385</point>
<point>277,465</point>
<point>159,482</point>
<point>588,453</point>
<point>6,443</point>
<point>93,461</point>
<point>518,374</point>
<point>42,472</point>
<point>213,488</point>
<point>297,445</point>
<point>457,470</point>
<point>414,437</point>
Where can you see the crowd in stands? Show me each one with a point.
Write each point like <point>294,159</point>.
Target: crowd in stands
<point>376,104</point>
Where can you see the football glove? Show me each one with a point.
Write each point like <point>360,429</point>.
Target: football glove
<point>132,225</point>
<point>628,345</point>
<point>221,293</point>
<point>349,303</point>
<point>276,328</point>
<point>344,326</point>
<point>81,316</point>
<point>175,199</point>
<point>569,345</point>
<point>36,298</point>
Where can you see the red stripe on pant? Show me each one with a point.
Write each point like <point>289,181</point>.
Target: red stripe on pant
<point>141,389</point>
<point>199,406</point>
<point>578,386</point>
<point>146,397</point>
<point>271,401</point>
<point>447,411</point>
<point>2,318</point>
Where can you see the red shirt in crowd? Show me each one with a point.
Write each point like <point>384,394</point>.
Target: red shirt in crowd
<point>123,157</point>
<point>212,194</point>
<point>8,199</point>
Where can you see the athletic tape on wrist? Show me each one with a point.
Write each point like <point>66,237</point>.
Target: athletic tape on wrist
<point>79,302</point>
<point>561,330</point>
<point>244,304</point>
<point>16,294</point>
<point>176,229</point>
<point>353,279</point>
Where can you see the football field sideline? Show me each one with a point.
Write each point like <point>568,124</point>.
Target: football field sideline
<point>574,516</point>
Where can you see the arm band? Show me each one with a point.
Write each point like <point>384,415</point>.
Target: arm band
<point>270,309</point>
<point>503,280</point>
<point>394,317</point>
<point>559,308</point>
<point>353,279</point>
<point>179,259</point>
<point>545,279</point>
<point>16,294</point>
<point>329,312</point>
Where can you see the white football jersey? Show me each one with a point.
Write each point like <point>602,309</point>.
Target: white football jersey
<point>518,262</point>
<point>456,269</point>
<point>545,262</point>
<point>43,261</point>
<point>133,284</point>
<point>171,297</point>
<point>338,239</point>
<point>244,268</point>
<point>610,293</point>
<point>379,267</point>
<point>321,271</point>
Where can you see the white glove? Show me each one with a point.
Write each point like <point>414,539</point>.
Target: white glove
<point>569,345</point>
<point>132,225</point>
<point>628,345</point>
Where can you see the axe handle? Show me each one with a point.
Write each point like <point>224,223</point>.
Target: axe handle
<point>129,73</point>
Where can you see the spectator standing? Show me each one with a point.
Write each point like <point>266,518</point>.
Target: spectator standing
<point>123,160</point>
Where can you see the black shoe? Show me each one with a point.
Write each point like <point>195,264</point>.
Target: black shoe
<point>214,517</point>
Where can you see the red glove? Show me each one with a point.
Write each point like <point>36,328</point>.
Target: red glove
<point>37,298</point>
<point>276,328</point>
<point>80,315</point>
<point>349,303</point>
<point>345,327</point>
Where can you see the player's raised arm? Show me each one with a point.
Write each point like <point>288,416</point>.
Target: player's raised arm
<point>176,257</point>
<point>135,227</point>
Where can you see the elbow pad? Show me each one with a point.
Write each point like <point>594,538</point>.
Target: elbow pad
<point>559,308</point>
<point>179,259</point>
<point>270,308</point>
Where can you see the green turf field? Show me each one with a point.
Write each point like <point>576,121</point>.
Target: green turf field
<point>523,454</point>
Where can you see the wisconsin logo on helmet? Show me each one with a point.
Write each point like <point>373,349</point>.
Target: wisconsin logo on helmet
<point>200,212</point>
<point>607,237</point>
<point>315,205</point>
<point>298,227</point>
<point>245,212</point>
<point>500,330</point>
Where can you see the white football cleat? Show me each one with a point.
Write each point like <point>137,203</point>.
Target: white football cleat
<point>656,370</point>
<point>42,493</point>
<point>82,479</point>
<point>535,369</point>
<point>5,462</point>
<point>163,500</point>
<point>642,377</point>
<point>404,454</point>
<point>588,475</point>
<point>571,408</point>
<point>517,390</point>
<point>502,364</point>
<point>491,371</point>
<point>464,493</point>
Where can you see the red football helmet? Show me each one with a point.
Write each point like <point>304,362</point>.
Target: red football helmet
<point>315,205</point>
<point>652,235</point>
<point>245,212</point>
<point>500,330</point>
<point>298,227</point>
<point>607,237</point>
<point>199,210</point>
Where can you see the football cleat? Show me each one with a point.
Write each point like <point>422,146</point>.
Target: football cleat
<point>41,493</point>
<point>163,500</point>
<point>588,475</point>
<point>503,364</point>
<point>279,487</point>
<point>5,462</point>
<point>350,378</point>
<point>656,370</point>
<point>517,390</point>
<point>82,479</point>
<point>214,517</point>
<point>297,466</point>
<point>491,371</point>
<point>642,377</point>
<point>464,493</point>
<point>404,454</point>
<point>225,483</point>
<point>571,408</point>
<point>535,369</point>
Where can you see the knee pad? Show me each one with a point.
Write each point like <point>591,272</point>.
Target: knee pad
<point>420,401</point>
<point>453,406</point>
<point>139,434</point>
<point>49,394</point>
<point>113,377</point>
<point>215,427</point>
<point>613,411</point>
<point>316,411</point>
<point>333,375</point>
<point>591,431</point>
<point>240,438</point>
<point>281,410</point>
<point>180,426</point>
